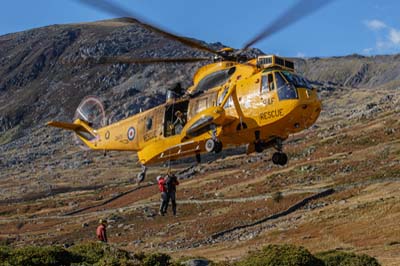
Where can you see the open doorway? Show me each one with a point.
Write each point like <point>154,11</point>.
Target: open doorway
<point>175,118</point>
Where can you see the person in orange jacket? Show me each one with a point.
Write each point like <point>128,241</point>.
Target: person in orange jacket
<point>101,231</point>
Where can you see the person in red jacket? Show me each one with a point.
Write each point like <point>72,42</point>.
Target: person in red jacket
<point>163,190</point>
<point>101,231</point>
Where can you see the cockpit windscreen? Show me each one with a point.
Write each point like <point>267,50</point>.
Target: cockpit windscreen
<point>297,80</point>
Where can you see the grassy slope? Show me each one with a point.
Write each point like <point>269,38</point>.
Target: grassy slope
<point>350,150</point>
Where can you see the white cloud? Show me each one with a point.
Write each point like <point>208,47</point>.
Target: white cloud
<point>301,55</point>
<point>394,36</point>
<point>367,51</point>
<point>375,24</point>
<point>387,37</point>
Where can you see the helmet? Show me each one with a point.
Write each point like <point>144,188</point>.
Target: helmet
<point>178,113</point>
<point>158,178</point>
<point>102,221</point>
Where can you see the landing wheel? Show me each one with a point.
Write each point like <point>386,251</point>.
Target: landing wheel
<point>213,146</point>
<point>258,147</point>
<point>279,158</point>
<point>198,158</point>
<point>218,147</point>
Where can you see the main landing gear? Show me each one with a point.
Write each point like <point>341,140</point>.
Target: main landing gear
<point>279,157</point>
<point>213,144</point>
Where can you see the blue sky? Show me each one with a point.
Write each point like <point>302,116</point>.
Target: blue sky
<point>343,27</point>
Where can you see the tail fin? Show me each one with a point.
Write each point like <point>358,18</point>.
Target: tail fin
<point>81,128</point>
<point>64,125</point>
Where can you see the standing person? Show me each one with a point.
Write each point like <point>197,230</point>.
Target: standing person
<point>179,123</point>
<point>163,190</point>
<point>101,231</point>
<point>171,181</point>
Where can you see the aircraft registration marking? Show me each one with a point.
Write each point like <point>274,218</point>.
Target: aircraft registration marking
<point>149,136</point>
<point>268,101</point>
<point>119,137</point>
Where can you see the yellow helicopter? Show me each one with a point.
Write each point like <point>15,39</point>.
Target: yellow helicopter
<point>233,101</point>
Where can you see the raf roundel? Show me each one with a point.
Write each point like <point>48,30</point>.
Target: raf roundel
<point>131,133</point>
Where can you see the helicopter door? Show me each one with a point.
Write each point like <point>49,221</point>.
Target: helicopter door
<point>267,90</point>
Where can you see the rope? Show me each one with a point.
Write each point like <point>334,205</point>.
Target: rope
<point>172,118</point>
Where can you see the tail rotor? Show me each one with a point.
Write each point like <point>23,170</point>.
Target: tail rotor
<point>90,110</point>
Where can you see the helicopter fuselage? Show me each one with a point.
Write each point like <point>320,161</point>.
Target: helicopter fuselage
<point>232,103</point>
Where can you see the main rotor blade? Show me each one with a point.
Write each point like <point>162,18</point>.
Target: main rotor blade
<point>130,60</point>
<point>298,11</point>
<point>130,17</point>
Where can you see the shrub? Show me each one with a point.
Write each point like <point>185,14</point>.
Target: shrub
<point>88,252</point>
<point>46,256</point>
<point>4,253</point>
<point>113,261</point>
<point>340,258</point>
<point>282,255</point>
<point>99,254</point>
<point>156,259</point>
<point>277,196</point>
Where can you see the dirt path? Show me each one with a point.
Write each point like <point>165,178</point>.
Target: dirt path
<point>78,213</point>
<point>82,212</point>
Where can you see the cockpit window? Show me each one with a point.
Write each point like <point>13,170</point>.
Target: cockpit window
<point>214,79</point>
<point>286,90</point>
<point>279,80</point>
<point>267,83</point>
<point>297,80</point>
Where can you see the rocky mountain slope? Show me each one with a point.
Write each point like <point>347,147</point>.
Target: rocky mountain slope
<point>355,71</point>
<point>51,192</point>
<point>43,75</point>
